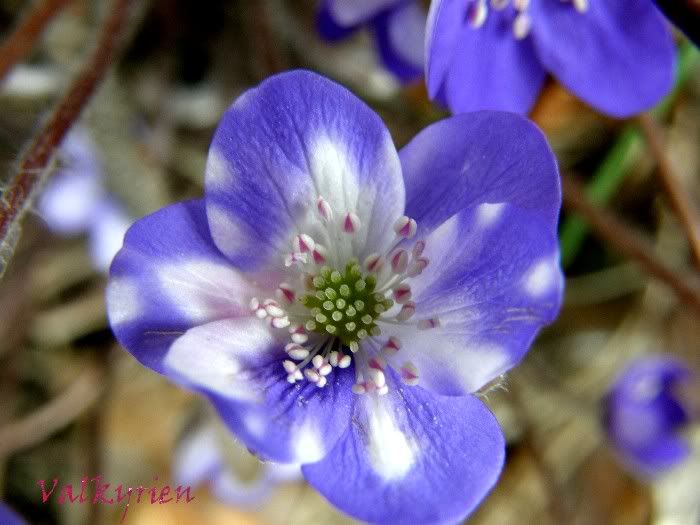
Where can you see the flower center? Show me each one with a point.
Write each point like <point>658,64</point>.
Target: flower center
<point>478,10</point>
<point>345,304</point>
<point>333,306</point>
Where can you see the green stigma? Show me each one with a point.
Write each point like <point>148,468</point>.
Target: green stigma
<point>345,304</point>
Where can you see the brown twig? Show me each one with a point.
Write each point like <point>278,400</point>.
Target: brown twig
<point>37,157</point>
<point>627,241</point>
<point>54,415</point>
<point>22,39</point>
<point>683,206</point>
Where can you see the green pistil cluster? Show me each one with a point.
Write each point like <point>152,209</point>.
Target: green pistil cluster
<point>345,304</point>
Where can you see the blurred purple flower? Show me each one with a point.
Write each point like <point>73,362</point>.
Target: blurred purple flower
<point>398,27</point>
<point>617,56</point>
<point>644,415</point>
<point>293,296</point>
<point>75,200</point>
<point>201,459</point>
<point>9,516</point>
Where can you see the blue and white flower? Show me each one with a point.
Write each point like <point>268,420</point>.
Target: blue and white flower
<point>340,303</point>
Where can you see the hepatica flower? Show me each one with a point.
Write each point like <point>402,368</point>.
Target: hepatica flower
<point>340,303</point>
<point>645,412</point>
<point>398,27</point>
<point>617,56</point>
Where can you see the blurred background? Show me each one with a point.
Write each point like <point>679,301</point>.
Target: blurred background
<point>73,403</point>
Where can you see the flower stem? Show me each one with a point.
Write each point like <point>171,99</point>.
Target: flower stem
<point>35,163</point>
<point>616,165</point>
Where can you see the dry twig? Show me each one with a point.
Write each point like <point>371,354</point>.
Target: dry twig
<point>627,241</point>
<point>55,414</point>
<point>680,201</point>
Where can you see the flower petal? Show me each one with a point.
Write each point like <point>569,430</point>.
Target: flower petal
<point>328,27</point>
<point>470,69</point>
<point>69,200</point>
<point>296,137</point>
<point>237,363</point>
<point>168,277</point>
<point>400,35</point>
<point>617,56</point>
<point>482,157</point>
<point>493,282</point>
<point>353,12</point>
<point>643,417</point>
<point>107,230</point>
<point>412,457</point>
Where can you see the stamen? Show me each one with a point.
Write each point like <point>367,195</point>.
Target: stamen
<point>418,248</point>
<point>417,266</point>
<point>581,5</point>
<point>319,254</point>
<point>405,227</point>
<point>303,243</point>
<point>351,223</point>
<point>402,293</point>
<point>324,209</point>
<point>499,5</point>
<point>285,293</point>
<point>392,346</point>
<point>409,373</point>
<point>407,311</point>
<point>521,5</point>
<point>521,26</point>
<point>477,13</point>
<point>427,324</point>
<point>399,261</point>
<point>374,262</point>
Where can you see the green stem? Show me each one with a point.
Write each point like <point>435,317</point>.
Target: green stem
<point>621,157</point>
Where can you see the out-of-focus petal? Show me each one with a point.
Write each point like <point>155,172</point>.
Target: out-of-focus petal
<point>284,144</point>
<point>412,457</point>
<point>617,56</point>
<point>107,230</point>
<point>400,35</point>
<point>74,192</point>
<point>353,12</point>
<point>168,277</point>
<point>643,415</point>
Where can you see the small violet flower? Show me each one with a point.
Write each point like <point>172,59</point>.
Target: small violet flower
<point>201,459</point>
<point>398,27</point>
<point>75,201</point>
<point>645,411</point>
<point>617,56</point>
<point>340,303</point>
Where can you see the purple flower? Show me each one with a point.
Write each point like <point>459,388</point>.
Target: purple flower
<point>201,459</point>
<point>617,56</point>
<point>644,414</point>
<point>9,516</point>
<point>398,27</point>
<point>339,302</point>
<point>75,201</point>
